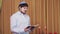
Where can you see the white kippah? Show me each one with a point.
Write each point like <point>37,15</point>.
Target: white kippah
<point>23,2</point>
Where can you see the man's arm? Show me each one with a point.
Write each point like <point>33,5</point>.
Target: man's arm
<point>12,22</point>
<point>28,29</point>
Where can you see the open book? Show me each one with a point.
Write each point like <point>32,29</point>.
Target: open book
<point>32,27</point>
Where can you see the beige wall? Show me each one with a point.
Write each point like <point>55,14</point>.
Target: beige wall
<point>42,12</point>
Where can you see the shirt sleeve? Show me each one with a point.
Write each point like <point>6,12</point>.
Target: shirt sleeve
<point>12,23</point>
<point>29,24</point>
<point>29,21</point>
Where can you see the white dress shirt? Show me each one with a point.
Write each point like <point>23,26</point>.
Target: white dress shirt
<point>18,22</point>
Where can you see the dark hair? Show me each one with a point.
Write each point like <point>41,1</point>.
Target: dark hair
<point>23,5</point>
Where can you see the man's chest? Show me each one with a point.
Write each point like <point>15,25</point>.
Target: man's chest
<point>22,20</point>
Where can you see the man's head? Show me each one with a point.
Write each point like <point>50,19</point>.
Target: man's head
<point>23,6</point>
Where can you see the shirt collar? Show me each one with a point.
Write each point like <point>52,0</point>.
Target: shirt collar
<point>20,13</point>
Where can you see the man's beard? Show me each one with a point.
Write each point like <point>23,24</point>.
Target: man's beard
<point>23,12</point>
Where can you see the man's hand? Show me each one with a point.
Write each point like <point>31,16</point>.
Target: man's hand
<point>26,30</point>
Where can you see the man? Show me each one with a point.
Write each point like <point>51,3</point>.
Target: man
<point>20,20</point>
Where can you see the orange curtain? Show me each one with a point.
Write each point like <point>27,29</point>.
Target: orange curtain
<point>46,13</point>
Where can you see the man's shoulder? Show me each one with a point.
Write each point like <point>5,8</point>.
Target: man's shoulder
<point>15,14</point>
<point>28,16</point>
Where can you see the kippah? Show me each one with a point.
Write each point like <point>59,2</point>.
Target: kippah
<point>23,2</point>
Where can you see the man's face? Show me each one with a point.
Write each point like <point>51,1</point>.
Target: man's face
<point>24,9</point>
